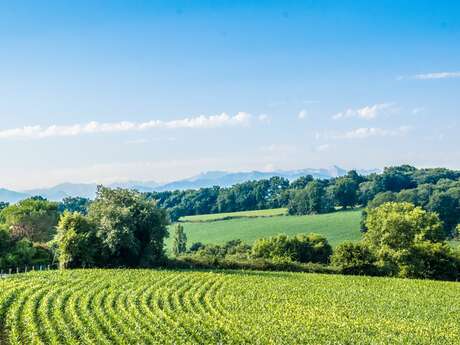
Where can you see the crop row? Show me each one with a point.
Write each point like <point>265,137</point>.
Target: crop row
<point>166,307</point>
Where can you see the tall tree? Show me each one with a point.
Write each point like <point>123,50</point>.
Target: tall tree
<point>179,240</point>
<point>131,227</point>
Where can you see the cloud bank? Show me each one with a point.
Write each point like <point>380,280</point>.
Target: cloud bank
<point>198,122</point>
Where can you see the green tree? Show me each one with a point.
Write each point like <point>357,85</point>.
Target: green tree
<point>301,182</point>
<point>313,199</point>
<point>131,227</point>
<point>74,204</point>
<point>34,219</point>
<point>448,209</point>
<point>78,245</point>
<point>346,192</point>
<point>394,228</point>
<point>179,240</point>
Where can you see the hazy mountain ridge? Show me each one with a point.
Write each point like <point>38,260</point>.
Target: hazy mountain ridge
<point>206,179</point>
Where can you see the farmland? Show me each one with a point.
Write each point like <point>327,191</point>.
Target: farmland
<point>199,307</point>
<point>336,227</point>
<point>233,215</point>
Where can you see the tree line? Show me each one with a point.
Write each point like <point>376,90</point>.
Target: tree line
<point>436,190</point>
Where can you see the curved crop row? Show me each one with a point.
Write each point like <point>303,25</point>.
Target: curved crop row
<point>186,307</point>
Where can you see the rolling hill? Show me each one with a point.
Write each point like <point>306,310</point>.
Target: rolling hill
<point>336,227</point>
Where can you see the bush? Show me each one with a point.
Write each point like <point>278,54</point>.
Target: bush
<point>431,261</point>
<point>197,262</point>
<point>21,252</point>
<point>355,258</point>
<point>234,248</point>
<point>300,248</point>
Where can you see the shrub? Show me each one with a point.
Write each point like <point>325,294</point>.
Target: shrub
<point>354,258</point>
<point>431,261</point>
<point>300,248</point>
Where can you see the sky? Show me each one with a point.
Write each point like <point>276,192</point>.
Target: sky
<point>104,91</point>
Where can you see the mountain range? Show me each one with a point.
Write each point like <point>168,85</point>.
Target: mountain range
<point>206,179</point>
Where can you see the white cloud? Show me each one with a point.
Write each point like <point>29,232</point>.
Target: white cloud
<point>302,114</point>
<point>436,75</point>
<point>364,133</point>
<point>202,121</point>
<point>368,112</point>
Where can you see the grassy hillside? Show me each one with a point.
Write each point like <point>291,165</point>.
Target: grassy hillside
<point>189,307</point>
<point>337,227</point>
<point>232,215</point>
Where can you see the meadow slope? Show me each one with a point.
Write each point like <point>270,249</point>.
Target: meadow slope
<point>336,227</point>
<point>233,307</point>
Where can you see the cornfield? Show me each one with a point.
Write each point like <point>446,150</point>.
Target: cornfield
<point>200,307</point>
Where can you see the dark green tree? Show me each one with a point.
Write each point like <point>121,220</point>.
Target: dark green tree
<point>346,192</point>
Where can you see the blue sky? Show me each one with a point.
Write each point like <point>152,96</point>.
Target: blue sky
<point>98,91</point>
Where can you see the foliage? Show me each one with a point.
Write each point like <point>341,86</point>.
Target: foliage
<point>251,195</point>
<point>306,195</point>
<point>313,199</point>
<point>346,192</point>
<point>354,258</point>
<point>21,252</point>
<point>393,229</point>
<point>233,248</point>
<point>78,243</point>
<point>74,204</point>
<point>429,260</point>
<point>300,248</point>
<point>34,219</point>
<point>224,307</point>
<point>131,228</point>
<point>179,240</point>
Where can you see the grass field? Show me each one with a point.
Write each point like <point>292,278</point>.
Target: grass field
<point>231,215</point>
<point>336,227</point>
<point>190,307</point>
